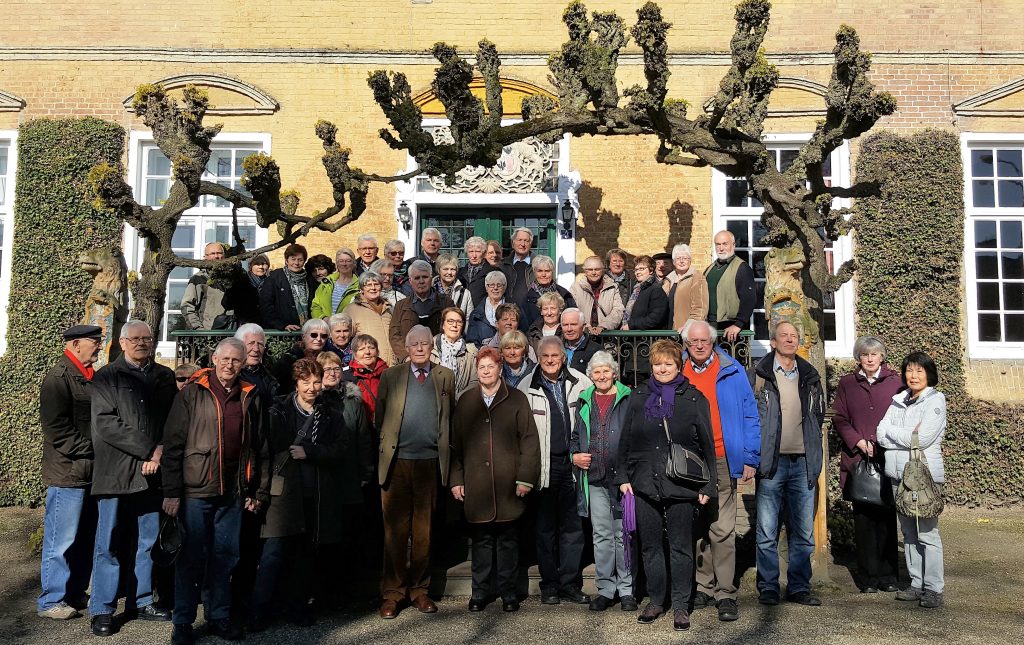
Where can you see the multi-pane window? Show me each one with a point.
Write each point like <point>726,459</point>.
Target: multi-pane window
<point>6,228</point>
<point>458,225</point>
<point>995,246</point>
<point>741,215</point>
<point>209,221</point>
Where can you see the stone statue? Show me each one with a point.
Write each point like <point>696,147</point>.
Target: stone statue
<point>784,298</point>
<point>107,304</point>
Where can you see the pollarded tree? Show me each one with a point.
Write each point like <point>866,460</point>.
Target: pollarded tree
<point>799,213</point>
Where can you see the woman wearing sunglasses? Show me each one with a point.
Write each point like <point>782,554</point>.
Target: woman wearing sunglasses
<point>315,333</point>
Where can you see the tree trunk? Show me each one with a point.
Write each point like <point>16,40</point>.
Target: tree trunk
<point>150,291</point>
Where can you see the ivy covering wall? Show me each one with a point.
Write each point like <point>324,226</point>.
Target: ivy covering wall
<point>53,223</point>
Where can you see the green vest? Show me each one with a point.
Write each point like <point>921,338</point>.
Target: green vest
<point>725,301</point>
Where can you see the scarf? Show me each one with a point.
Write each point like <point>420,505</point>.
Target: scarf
<point>256,280</point>
<point>662,401</point>
<point>87,372</point>
<point>450,352</point>
<point>311,428</point>
<point>637,288</point>
<point>300,292</point>
<point>548,288</point>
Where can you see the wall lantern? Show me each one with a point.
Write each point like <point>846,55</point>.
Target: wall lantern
<point>568,219</point>
<point>405,215</point>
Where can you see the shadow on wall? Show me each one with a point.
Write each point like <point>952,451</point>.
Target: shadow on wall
<point>600,227</point>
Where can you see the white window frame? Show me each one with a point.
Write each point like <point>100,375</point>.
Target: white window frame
<point>134,246</point>
<point>10,139</point>
<point>842,248</point>
<point>976,348</point>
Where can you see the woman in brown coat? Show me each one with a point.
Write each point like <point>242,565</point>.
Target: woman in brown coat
<point>495,463</point>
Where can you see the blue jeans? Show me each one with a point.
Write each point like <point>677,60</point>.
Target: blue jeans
<point>124,519</point>
<point>787,487</point>
<point>69,528</point>
<point>212,527</point>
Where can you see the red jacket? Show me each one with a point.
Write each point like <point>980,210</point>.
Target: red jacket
<point>368,381</point>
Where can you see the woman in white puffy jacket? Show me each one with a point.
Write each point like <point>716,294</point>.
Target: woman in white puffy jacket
<point>919,408</point>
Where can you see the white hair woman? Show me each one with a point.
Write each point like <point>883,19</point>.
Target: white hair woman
<point>483,322</point>
<point>543,283</point>
<point>341,334</point>
<point>371,314</point>
<point>447,282</point>
<point>686,288</point>
<point>315,334</point>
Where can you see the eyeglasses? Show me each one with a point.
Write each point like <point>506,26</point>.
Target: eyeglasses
<point>453,321</point>
<point>182,379</point>
<point>699,341</point>
<point>393,253</point>
<point>315,335</point>
<point>139,340</point>
<point>332,370</point>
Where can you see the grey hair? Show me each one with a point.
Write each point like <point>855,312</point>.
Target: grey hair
<point>131,324</point>
<point>573,310</point>
<point>366,237</point>
<point>431,229</point>
<point>369,275</point>
<point>247,329</point>
<point>417,331</point>
<point>420,266</point>
<point>522,229</point>
<point>495,277</point>
<point>731,235</point>
<point>363,339</point>
<point>376,265</point>
<point>344,251</point>
<point>692,324</point>
<point>340,319</point>
<point>550,340</point>
<point>446,259</point>
<point>542,261</point>
<point>514,338</point>
<point>476,241</point>
<point>679,250</point>
<point>868,344</point>
<point>775,328</point>
<point>393,245</point>
<point>602,359</point>
<point>315,324</point>
<point>233,343</point>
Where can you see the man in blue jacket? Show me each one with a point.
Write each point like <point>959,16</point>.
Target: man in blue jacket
<point>736,427</point>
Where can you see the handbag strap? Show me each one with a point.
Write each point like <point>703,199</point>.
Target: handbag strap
<point>664,423</point>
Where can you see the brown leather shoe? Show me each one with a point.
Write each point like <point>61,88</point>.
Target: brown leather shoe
<point>388,609</point>
<point>424,604</point>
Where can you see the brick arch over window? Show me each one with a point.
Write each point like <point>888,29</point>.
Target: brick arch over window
<point>513,92</point>
<point>228,96</point>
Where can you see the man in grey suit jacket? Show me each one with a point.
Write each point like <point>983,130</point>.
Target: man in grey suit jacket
<point>412,417</point>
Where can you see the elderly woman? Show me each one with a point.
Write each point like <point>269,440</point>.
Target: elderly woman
<point>615,260</point>
<point>337,289</point>
<point>495,463</point>
<point>473,274</point>
<point>394,254</point>
<point>920,411</point>
<point>322,455</point>
<point>647,306</point>
<point>287,293</point>
<point>386,271</point>
<point>314,337</point>
<point>333,369</point>
<point>319,266</point>
<point>493,254</point>
<point>341,334</point>
<point>861,401</point>
<point>448,283</point>
<point>686,288</point>
<point>515,353</point>
<point>183,372</point>
<point>371,314</point>
<point>551,306</point>
<point>544,282</point>
<point>365,369</point>
<point>483,322</point>
<point>452,350</point>
<point>244,295</point>
<point>507,320</point>
<point>667,405</point>
<point>601,419</point>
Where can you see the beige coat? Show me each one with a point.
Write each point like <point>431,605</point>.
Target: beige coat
<point>609,303</point>
<point>367,321</point>
<point>691,297</point>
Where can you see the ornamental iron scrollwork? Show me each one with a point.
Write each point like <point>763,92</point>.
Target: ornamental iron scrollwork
<point>524,167</point>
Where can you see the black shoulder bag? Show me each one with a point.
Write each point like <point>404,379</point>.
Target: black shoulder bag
<point>684,466</point>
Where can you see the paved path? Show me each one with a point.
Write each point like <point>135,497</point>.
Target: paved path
<point>985,604</point>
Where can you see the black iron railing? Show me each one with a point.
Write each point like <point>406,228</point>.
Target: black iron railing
<point>196,345</point>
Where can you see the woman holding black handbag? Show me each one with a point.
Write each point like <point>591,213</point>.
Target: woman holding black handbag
<point>668,415</point>
<point>861,401</point>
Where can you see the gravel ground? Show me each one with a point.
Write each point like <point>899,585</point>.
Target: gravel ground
<point>984,604</point>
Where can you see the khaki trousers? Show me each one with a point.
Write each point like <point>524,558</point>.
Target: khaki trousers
<point>716,548</point>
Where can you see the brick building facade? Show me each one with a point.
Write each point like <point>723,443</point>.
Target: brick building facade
<point>952,65</point>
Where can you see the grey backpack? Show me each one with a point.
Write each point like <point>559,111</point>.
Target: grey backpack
<point>917,494</point>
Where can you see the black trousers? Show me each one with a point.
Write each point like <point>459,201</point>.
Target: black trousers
<point>495,558</point>
<point>654,519</point>
<point>874,529</point>
<point>559,533</point>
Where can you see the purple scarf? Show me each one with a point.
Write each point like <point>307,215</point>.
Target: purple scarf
<point>628,527</point>
<point>662,401</point>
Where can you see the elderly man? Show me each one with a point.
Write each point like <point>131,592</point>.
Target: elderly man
<point>69,524</point>
<point>731,297</point>
<point>366,247</point>
<point>216,462</point>
<point>430,248</point>
<point>518,267</point>
<point>615,260</point>
<point>255,371</point>
<point>203,302</point>
<point>473,274</point>
<point>423,307</point>
<point>131,398</point>
<point>597,296</point>
<point>736,428</point>
<point>553,390</point>
<point>662,264</point>
<point>578,345</point>
<point>791,404</point>
<point>412,417</point>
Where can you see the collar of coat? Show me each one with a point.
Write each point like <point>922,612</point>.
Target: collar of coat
<point>587,396</point>
<point>808,375</point>
<point>566,373</point>
<point>203,376</point>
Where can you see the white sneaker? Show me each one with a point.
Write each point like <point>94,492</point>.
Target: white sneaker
<point>60,611</point>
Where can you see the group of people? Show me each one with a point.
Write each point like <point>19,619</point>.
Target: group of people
<point>390,410</point>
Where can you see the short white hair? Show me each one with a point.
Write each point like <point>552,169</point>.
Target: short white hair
<point>542,261</point>
<point>249,329</point>
<point>344,251</point>
<point>420,266</point>
<point>233,343</point>
<point>430,230</point>
<point>393,245</point>
<point>340,319</point>
<point>416,332</point>
<point>132,324</point>
<point>495,277</point>
<point>680,250</point>
<point>694,324</point>
<point>366,237</point>
<point>475,241</point>
<point>523,229</point>
<point>316,324</point>
<point>574,310</point>
<point>550,340</point>
<point>602,359</point>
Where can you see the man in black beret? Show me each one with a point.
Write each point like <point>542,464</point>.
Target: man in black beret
<point>69,524</point>
<point>662,264</point>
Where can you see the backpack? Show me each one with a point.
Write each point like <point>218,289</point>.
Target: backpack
<point>917,494</point>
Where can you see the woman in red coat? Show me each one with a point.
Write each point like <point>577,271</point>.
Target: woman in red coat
<point>861,401</point>
<point>365,369</point>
